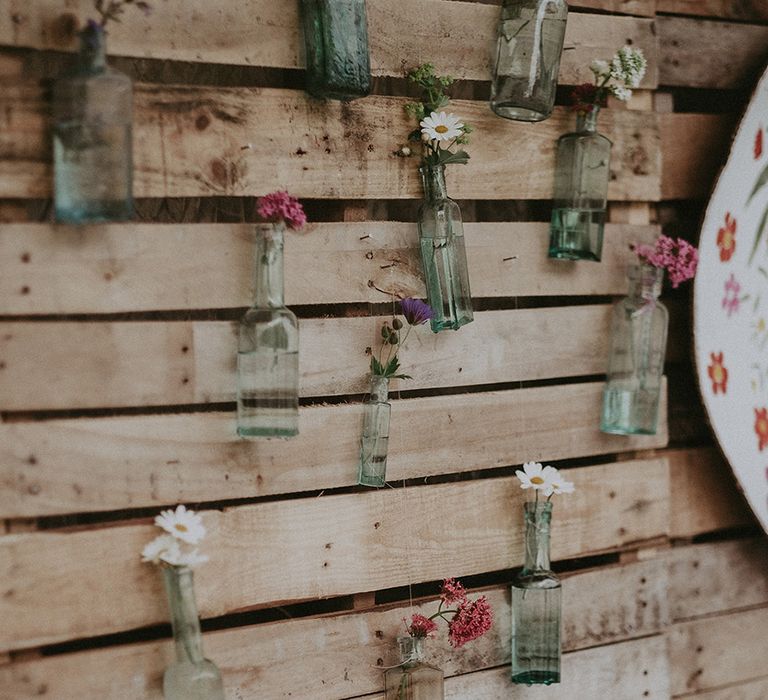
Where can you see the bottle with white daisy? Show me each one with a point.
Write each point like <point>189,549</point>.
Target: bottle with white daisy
<point>191,676</point>
<point>536,591</point>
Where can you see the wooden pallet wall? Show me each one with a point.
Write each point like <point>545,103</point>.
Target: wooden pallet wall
<point>117,376</point>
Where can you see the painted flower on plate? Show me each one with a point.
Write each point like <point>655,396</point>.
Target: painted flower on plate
<point>758,143</point>
<point>761,427</point>
<point>441,127</point>
<point>718,373</point>
<point>183,524</point>
<point>726,238</point>
<point>731,300</point>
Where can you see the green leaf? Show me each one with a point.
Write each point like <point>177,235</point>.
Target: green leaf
<point>401,376</point>
<point>760,232</point>
<point>392,366</point>
<point>376,367</point>
<point>447,158</point>
<point>761,182</point>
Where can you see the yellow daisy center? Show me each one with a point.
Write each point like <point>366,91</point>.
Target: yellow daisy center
<point>537,480</point>
<point>181,527</point>
<point>441,129</point>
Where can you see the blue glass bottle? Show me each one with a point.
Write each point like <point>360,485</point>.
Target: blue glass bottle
<point>92,143</point>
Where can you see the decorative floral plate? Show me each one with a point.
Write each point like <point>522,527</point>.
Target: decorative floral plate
<point>731,306</point>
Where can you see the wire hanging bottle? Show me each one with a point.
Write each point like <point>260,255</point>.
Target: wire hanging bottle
<point>528,51</point>
<point>414,678</point>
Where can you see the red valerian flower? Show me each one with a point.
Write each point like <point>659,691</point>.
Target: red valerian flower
<point>452,592</point>
<point>280,206</point>
<point>759,143</point>
<point>761,427</point>
<point>586,97</point>
<point>421,626</point>
<point>718,373</point>
<point>472,620</point>
<point>726,238</point>
<point>678,257</point>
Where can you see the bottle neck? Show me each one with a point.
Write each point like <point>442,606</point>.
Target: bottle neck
<point>645,282</point>
<point>179,586</point>
<point>268,280</point>
<point>92,57</point>
<point>379,389</point>
<point>412,650</point>
<point>433,181</point>
<point>538,516</point>
<point>587,121</point>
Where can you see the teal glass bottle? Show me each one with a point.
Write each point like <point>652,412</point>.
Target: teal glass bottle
<point>636,357</point>
<point>375,439</point>
<point>268,349</point>
<point>443,255</point>
<point>536,605</point>
<point>191,676</point>
<point>414,678</point>
<point>528,51</point>
<point>92,143</point>
<point>336,39</point>
<point>581,192</point>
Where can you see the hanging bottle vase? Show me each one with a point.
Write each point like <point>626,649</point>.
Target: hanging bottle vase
<point>375,439</point>
<point>443,255</point>
<point>636,358</point>
<point>581,192</point>
<point>528,50</point>
<point>413,679</point>
<point>268,349</point>
<point>92,143</point>
<point>336,39</point>
<point>191,676</point>
<point>536,605</point>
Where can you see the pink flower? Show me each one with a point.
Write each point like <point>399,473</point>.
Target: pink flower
<point>731,300</point>
<point>280,206</point>
<point>678,257</point>
<point>421,626</point>
<point>453,592</point>
<point>472,620</point>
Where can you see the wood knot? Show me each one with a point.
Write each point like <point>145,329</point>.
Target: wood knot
<point>202,122</point>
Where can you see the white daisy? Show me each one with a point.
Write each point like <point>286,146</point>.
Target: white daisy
<point>558,485</point>
<point>441,127</point>
<point>160,548</point>
<point>535,476</point>
<point>183,524</point>
<point>189,558</point>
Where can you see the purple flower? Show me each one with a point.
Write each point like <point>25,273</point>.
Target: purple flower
<point>416,312</point>
<point>731,300</point>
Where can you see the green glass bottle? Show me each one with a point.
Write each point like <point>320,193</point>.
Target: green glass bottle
<point>536,605</point>
<point>414,678</point>
<point>268,349</point>
<point>336,39</point>
<point>443,255</point>
<point>375,439</point>
<point>191,676</point>
<point>581,191</point>
<point>636,358</point>
<point>92,143</point>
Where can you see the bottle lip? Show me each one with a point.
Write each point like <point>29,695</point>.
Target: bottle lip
<point>425,168</point>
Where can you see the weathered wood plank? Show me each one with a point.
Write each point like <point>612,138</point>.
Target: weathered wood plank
<point>60,365</point>
<point>132,267</point>
<point>339,655</point>
<point>755,10</point>
<point>751,690</point>
<point>315,548</point>
<point>200,141</point>
<point>642,8</point>
<point>718,577</point>
<point>693,51</point>
<point>264,33</point>
<point>705,493</point>
<point>76,466</point>
<point>718,651</point>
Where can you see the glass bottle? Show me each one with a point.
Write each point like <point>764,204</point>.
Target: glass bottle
<point>268,349</point>
<point>336,39</point>
<point>536,608</point>
<point>191,676</point>
<point>413,679</point>
<point>92,143</point>
<point>636,359</point>
<point>581,191</point>
<point>528,50</point>
<point>375,439</point>
<point>443,255</point>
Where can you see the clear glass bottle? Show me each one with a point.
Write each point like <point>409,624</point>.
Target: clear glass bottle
<point>268,348</point>
<point>336,39</point>
<point>636,358</point>
<point>581,191</point>
<point>413,679</point>
<point>375,439</point>
<point>528,50</point>
<point>536,605</point>
<point>443,255</point>
<point>92,143</point>
<point>191,676</point>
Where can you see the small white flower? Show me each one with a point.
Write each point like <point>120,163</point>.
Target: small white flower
<point>189,558</point>
<point>441,127</point>
<point>535,476</point>
<point>620,92</point>
<point>600,68</point>
<point>160,548</point>
<point>628,66</point>
<point>558,485</point>
<point>183,524</point>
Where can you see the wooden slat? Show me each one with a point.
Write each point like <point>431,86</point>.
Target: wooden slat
<point>315,548</point>
<point>60,365</point>
<point>718,577</point>
<point>139,267</point>
<point>73,466</point>
<point>694,148</point>
<point>193,141</point>
<point>751,690</point>
<point>264,33</point>
<point>755,10</point>
<point>643,8</point>
<point>718,651</point>
<point>706,54</point>
<point>339,655</point>
<point>705,494</point>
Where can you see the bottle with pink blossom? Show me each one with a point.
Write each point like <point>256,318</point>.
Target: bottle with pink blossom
<point>639,338</point>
